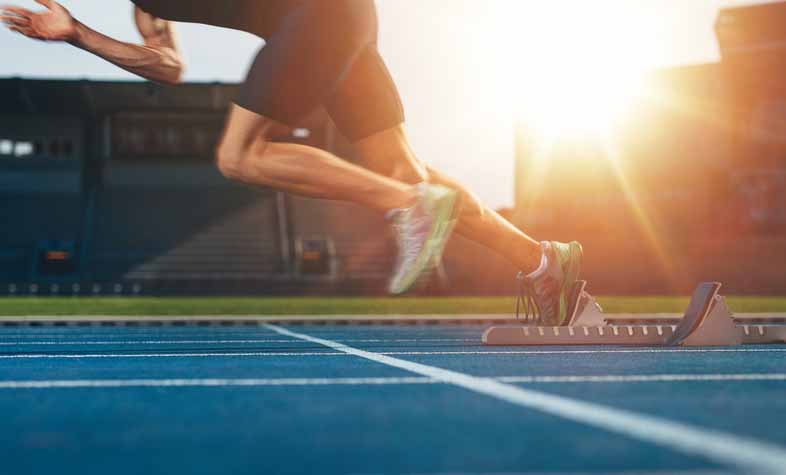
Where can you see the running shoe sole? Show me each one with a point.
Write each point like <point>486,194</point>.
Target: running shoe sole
<point>435,244</point>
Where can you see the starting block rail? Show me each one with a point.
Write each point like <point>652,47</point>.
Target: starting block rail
<point>707,322</point>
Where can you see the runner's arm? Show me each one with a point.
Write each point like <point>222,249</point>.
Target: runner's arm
<point>157,59</point>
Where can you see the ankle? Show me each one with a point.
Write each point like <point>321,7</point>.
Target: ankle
<point>535,260</point>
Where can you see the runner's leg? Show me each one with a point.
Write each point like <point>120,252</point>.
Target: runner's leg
<point>297,69</point>
<point>245,155</point>
<point>367,109</point>
<point>390,154</point>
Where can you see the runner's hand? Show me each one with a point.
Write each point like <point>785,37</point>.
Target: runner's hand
<point>53,24</point>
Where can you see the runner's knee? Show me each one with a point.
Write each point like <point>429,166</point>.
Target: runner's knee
<point>471,207</point>
<point>237,162</point>
<point>408,173</point>
<point>228,160</point>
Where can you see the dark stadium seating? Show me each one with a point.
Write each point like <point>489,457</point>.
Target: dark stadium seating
<point>364,244</point>
<point>28,218</point>
<point>150,234</point>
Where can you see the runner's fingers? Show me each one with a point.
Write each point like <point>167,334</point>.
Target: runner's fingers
<point>15,20</point>
<point>17,11</point>
<point>29,32</point>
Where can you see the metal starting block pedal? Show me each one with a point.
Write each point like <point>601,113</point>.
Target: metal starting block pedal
<point>707,322</point>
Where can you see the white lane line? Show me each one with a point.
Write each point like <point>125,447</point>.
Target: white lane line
<point>219,342</point>
<point>717,446</point>
<point>209,382</point>
<point>262,382</point>
<point>587,352</point>
<point>33,356</point>
<point>626,472</point>
<point>162,355</point>
<point>644,378</point>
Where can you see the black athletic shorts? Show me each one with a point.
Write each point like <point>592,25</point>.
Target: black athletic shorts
<point>324,52</point>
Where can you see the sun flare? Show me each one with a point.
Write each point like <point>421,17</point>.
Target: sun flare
<point>558,108</point>
<point>571,68</point>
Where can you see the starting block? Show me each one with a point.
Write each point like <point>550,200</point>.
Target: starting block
<point>707,322</point>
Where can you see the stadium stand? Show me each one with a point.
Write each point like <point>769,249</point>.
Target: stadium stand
<point>41,168</point>
<point>214,236</point>
<point>122,174</point>
<point>34,218</point>
<point>118,177</point>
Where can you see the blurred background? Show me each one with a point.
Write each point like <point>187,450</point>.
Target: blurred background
<point>652,131</point>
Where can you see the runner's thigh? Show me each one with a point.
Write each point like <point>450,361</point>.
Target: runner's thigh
<point>308,56</point>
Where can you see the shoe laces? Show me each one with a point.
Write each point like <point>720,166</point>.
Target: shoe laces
<point>526,305</point>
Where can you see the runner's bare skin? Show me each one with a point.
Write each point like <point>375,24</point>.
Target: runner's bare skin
<point>246,154</point>
<point>390,154</point>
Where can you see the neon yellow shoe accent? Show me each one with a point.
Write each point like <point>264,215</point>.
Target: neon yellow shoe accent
<point>423,234</point>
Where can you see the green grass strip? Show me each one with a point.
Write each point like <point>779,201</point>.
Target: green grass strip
<point>23,306</point>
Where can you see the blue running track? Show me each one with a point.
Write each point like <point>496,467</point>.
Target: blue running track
<point>267,399</point>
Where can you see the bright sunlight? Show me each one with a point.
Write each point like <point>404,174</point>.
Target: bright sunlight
<point>571,68</point>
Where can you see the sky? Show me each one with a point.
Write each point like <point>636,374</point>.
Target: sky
<point>465,68</point>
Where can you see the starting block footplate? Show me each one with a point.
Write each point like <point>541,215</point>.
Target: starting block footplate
<point>628,335</point>
<point>707,322</point>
